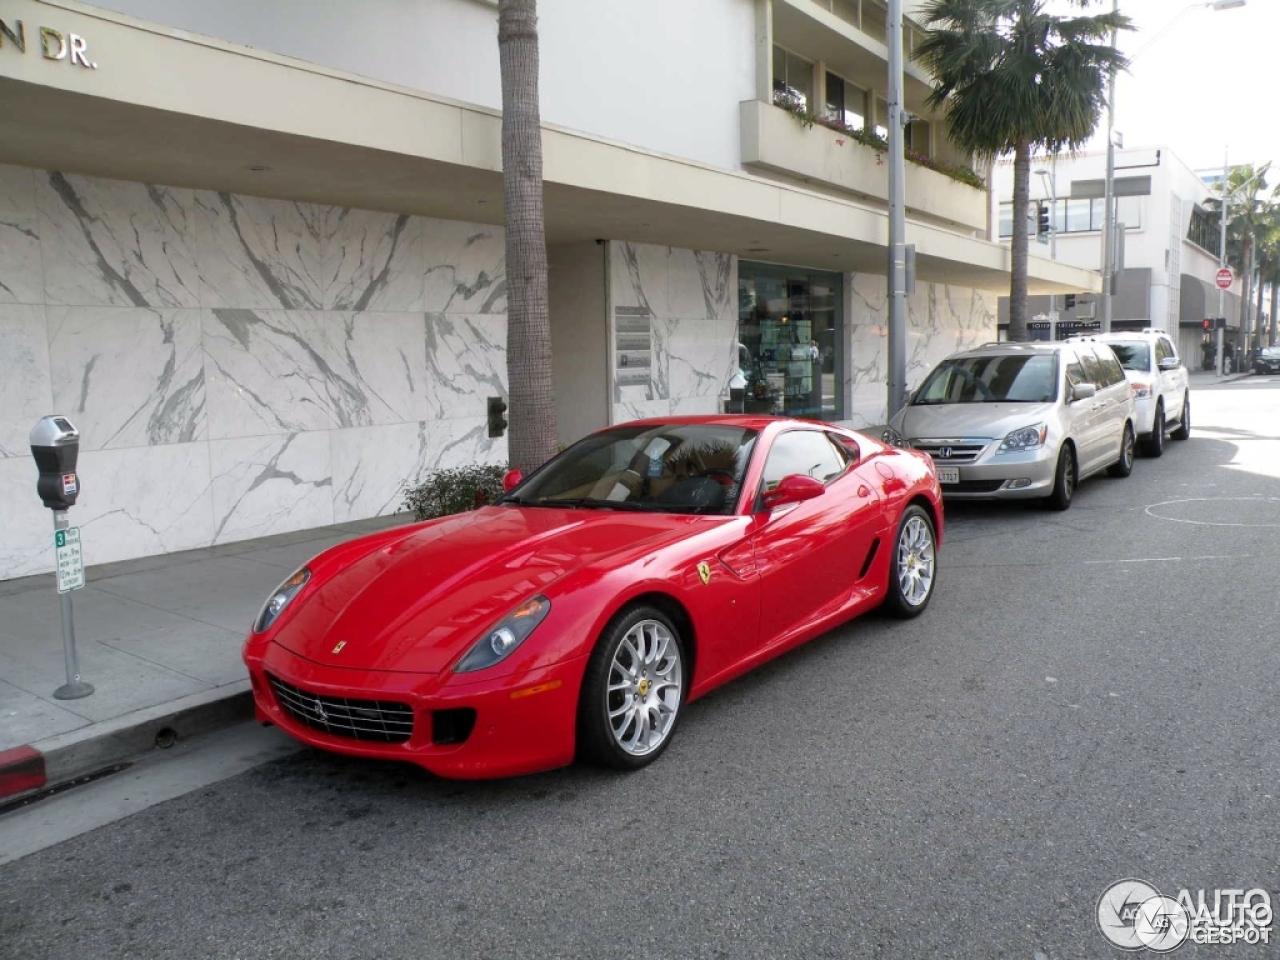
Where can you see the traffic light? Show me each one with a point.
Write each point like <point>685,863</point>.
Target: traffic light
<point>1042,222</point>
<point>1221,322</point>
<point>497,422</point>
<point>1208,324</point>
<point>1070,301</point>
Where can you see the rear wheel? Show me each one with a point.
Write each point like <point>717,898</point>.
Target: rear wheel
<point>633,690</point>
<point>1153,445</point>
<point>913,568</point>
<point>1064,480</point>
<point>1124,466</point>
<point>1184,425</point>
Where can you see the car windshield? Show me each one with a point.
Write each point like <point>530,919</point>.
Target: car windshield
<point>1271,352</point>
<point>1004,378</point>
<point>653,468</point>
<point>1132,354</point>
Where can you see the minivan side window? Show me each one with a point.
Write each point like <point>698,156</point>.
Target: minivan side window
<point>1111,368</point>
<point>1092,368</point>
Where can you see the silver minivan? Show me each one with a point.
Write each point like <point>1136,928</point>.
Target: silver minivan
<point>1022,420</point>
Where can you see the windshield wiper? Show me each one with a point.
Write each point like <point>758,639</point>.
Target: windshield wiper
<point>593,504</point>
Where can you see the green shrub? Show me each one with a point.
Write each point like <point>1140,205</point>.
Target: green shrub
<point>445,492</point>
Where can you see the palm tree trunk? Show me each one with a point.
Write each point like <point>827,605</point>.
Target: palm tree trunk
<point>532,414</point>
<point>1018,243</point>
<point>1275,296</point>
<point>1257,314</point>
<point>1246,301</point>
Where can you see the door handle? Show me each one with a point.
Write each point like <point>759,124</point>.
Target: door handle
<point>864,491</point>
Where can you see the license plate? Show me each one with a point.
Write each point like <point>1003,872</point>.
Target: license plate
<point>948,474</point>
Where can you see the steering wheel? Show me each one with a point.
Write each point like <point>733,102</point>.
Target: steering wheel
<point>981,387</point>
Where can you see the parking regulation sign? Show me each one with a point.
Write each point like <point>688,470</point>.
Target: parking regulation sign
<point>66,545</point>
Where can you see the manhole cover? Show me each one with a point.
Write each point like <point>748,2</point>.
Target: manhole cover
<point>1221,511</point>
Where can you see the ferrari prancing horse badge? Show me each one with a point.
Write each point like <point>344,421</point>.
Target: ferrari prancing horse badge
<point>704,572</point>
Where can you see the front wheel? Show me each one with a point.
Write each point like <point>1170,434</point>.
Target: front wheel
<point>632,691</point>
<point>1064,481</point>
<point>1124,466</point>
<point>913,569</point>
<point>1184,425</point>
<point>1153,446</point>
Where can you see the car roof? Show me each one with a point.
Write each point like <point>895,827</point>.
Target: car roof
<point>1007,347</point>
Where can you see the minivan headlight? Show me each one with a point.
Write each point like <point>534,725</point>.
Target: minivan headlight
<point>894,438</point>
<point>1027,438</point>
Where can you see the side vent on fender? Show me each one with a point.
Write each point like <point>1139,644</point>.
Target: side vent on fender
<point>871,555</point>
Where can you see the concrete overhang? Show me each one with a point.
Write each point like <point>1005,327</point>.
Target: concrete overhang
<point>170,108</point>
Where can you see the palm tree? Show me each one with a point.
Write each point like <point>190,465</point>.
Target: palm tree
<point>1244,188</point>
<point>532,416</point>
<point>1011,77</point>
<point>1268,266</point>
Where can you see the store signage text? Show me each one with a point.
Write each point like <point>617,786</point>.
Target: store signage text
<point>54,44</point>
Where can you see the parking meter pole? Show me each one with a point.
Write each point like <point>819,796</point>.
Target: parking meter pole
<point>74,688</point>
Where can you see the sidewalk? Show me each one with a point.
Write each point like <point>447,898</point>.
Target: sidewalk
<point>159,639</point>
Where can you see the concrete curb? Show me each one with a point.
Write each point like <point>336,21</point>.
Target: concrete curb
<point>100,746</point>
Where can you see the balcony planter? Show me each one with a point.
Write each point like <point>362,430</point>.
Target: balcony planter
<point>773,139</point>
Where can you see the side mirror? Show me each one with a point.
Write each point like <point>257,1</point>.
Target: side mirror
<point>1170,363</point>
<point>1083,391</point>
<point>510,480</point>
<point>793,489</point>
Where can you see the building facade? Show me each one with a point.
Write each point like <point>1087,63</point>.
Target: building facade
<point>254,252</point>
<point>1170,246</point>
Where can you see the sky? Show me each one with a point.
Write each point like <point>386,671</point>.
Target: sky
<point>1202,82</point>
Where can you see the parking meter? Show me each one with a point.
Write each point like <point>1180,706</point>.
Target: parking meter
<point>55,444</point>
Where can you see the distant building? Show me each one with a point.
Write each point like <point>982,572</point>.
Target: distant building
<point>1170,245</point>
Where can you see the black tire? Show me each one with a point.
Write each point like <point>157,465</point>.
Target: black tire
<point>1064,480</point>
<point>598,742</point>
<point>1184,425</point>
<point>1153,445</point>
<point>1124,466</point>
<point>913,564</point>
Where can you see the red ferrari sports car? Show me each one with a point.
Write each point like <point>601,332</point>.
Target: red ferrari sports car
<point>575,617</point>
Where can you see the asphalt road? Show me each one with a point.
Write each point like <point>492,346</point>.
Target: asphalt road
<point>1090,697</point>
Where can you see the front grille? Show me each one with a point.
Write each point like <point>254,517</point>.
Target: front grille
<point>960,451</point>
<point>381,721</point>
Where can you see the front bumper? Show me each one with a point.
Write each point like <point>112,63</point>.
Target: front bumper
<point>1144,415</point>
<point>1000,476</point>
<point>463,729</point>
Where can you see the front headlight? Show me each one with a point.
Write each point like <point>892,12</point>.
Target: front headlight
<point>894,438</point>
<point>496,645</point>
<point>1028,438</point>
<point>280,599</point>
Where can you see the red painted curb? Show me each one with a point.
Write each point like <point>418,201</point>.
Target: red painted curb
<point>21,769</point>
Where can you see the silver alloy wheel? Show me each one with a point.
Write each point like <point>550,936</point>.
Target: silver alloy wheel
<point>644,687</point>
<point>915,561</point>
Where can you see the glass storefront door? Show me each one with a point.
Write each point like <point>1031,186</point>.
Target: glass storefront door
<point>790,332</point>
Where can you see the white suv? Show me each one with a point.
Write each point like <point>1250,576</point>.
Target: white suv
<point>1160,383</point>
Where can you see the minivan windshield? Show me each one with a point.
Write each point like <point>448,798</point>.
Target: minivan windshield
<point>1000,378</point>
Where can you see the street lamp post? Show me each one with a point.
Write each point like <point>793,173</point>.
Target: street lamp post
<point>897,266</point>
<point>1051,180</point>
<point>1108,213</point>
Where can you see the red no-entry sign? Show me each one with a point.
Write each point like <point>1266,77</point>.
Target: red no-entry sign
<point>1225,278</point>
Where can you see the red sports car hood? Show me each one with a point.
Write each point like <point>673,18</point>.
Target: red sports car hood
<point>417,603</point>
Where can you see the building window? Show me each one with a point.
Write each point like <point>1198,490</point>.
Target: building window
<point>792,79</point>
<point>1204,230</point>
<point>846,102</point>
<point>882,118</point>
<point>1077,216</point>
<point>790,337</point>
<point>916,136</point>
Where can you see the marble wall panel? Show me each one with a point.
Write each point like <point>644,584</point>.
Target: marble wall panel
<point>266,485</point>
<point>128,376</point>
<point>466,361</point>
<point>26,527</point>
<point>465,267</point>
<point>142,501</point>
<point>373,466</point>
<point>640,276</point>
<point>260,254</point>
<point>26,393</point>
<point>110,243</point>
<point>372,261</point>
<point>21,272</point>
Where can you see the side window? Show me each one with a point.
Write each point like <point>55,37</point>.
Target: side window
<point>1074,370</point>
<point>1164,349</point>
<point>1092,368</point>
<point>806,452</point>
<point>1111,369</point>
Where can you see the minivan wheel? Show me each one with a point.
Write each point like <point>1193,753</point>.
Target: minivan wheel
<point>1184,425</point>
<point>1153,445</point>
<point>1064,481</point>
<point>1124,466</point>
